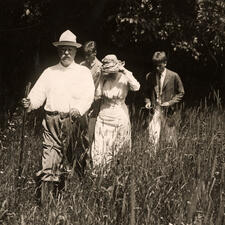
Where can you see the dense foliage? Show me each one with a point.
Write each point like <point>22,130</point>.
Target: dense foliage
<point>196,27</point>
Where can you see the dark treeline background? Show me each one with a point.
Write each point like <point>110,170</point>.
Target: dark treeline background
<point>192,32</point>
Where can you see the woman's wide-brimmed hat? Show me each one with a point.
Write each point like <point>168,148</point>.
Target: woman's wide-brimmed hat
<point>67,38</point>
<point>110,64</point>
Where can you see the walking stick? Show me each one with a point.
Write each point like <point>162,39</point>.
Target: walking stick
<point>22,133</point>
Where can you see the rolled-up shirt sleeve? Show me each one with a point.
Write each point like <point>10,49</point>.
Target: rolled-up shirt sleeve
<point>37,94</point>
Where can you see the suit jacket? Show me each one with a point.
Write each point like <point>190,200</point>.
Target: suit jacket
<point>172,90</point>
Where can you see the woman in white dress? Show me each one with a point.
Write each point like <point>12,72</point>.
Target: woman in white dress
<point>113,129</point>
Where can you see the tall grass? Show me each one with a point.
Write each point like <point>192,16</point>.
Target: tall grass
<point>174,186</point>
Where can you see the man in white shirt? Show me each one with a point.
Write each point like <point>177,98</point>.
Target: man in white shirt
<point>67,92</point>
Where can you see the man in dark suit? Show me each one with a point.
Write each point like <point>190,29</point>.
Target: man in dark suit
<point>163,90</point>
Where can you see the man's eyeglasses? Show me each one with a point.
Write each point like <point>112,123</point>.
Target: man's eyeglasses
<point>67,49</point>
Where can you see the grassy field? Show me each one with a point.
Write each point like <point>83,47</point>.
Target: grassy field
<point>174,186</point>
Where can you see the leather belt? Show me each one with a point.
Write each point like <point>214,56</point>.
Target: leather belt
<point>56,113</point>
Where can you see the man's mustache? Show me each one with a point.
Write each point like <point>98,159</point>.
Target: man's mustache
<point>65,57</point>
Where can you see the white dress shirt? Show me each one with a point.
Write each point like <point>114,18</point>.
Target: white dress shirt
<point>63,88</point>
<point>162,78</point>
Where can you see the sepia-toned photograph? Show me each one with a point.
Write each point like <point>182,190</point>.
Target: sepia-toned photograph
<point>112,112</point>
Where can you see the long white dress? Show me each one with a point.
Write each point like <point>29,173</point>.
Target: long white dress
<point>113,129</point>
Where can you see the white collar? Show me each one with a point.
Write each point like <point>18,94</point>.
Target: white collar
<point>71,66</point>
<point>163,73</point>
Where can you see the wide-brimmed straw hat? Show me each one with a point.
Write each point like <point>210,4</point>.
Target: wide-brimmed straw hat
<point>110,64</point>
<point>67,38</point>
